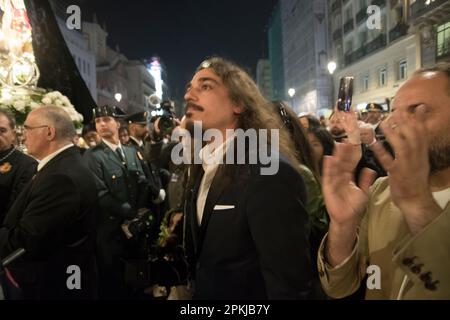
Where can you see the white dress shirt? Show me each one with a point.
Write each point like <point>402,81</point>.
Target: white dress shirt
<point>211,159</point>
<point>114,147</point>
<point>47,159</point>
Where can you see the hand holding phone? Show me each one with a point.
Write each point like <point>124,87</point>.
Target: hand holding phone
<point>345,96</point>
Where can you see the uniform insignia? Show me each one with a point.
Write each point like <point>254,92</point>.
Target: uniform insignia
<point>140,156</point>
<point>5,168</point>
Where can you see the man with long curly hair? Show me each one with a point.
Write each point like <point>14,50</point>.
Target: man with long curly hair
<point>246,233</point>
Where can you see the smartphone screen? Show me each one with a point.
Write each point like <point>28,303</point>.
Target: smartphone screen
<point>345,94</point>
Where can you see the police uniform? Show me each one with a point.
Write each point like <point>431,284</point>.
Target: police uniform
<point>122,190</point>
<point>150,170</point>
<point>375,107</point>
<point>16,170</point>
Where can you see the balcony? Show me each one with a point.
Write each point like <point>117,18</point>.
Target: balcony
<point>336,5</point>
<point>400,30</point>
<point>380,3</point>
<point>348,26</point>
<point>419,7</point>
<point>355,55</point>
<point>443,50</point>
<point>337,35</point>
<point>377,43</point>
<point>361,16</point>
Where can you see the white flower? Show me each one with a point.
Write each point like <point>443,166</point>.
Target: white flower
<point>19,105</point>
<point>74,115</point>
<point>46,100</point>
<point>65,101</point>
<point>48,96</point>
<point>58,103</point>
<point>7,102</point>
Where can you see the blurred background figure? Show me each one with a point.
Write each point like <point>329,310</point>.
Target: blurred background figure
<point>323,121</point>
<point>375,115</point>
<point>336,128</point>
<point>90,136</point>
<point>315,205</point>
<point>124,136</point>
<point>16,168</point>
<point>308,121</point>
<point>322,143</point>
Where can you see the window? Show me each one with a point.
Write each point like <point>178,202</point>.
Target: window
<point>349,46</point>
<point>382,77</point>
<point>365,83</point>
<point>362,5</point>
<point>348,14</point>
<point>402,70</point>
<point>337,22</point>
<point>89,69</point>
<point>443,40</point>
<point>362,38</point>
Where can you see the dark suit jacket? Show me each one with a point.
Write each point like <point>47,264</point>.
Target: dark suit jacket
<point>258,249</point>
<point>53,219</point>
<point>12,181</point>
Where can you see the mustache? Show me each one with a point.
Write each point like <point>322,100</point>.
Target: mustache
<point>194,106</point>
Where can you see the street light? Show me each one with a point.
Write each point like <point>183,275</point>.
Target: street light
<point>118,97</point>
<point>291,93</point>
<point>331,68</point>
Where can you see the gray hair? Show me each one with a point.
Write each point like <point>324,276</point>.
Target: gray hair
<point>60,119</point>
<point>9,117</point>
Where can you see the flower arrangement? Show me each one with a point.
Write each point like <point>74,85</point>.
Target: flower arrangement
<point>21,101</point>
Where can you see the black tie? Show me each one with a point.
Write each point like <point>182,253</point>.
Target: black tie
<point>120,155</point>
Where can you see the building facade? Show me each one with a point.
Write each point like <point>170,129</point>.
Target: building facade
<point>275,49</point>
<point>304,30</point>
<point>431,21</point>
<point>264,78</point>
<point>78,45</point>
<point>379,49</point>
<point>120,81</point>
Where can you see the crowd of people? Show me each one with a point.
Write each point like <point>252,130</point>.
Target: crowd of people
<point>359,189</point>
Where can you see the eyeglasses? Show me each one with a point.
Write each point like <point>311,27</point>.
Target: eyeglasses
<point>29,128</point>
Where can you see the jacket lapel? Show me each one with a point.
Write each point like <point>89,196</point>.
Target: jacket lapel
<point>197,174</point>
<point>112,155</point>
<point>220,182</point>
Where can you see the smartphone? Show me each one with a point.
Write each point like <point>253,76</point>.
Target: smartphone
<point>345,94</point>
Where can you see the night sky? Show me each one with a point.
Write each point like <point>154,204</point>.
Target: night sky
<point>184,32</point>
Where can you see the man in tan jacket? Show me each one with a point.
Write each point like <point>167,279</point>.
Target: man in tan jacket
<point>398,230</point>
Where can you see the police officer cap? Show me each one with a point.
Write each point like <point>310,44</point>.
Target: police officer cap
<point>374,107</point>
<point>140,118</point>
<point>108,111</point>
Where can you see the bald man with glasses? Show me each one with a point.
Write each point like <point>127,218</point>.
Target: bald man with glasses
<point>53,217</point>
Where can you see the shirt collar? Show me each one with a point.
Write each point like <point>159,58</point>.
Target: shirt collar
<point>139,143</point>
<point>47,159</point>
<point>112,146</point>
<point>211,157</point>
